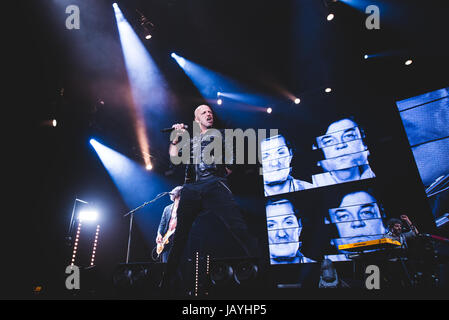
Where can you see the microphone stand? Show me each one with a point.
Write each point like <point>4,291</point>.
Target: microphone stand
<point>131,213</point>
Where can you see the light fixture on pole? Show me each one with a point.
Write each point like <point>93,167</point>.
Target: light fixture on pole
<point>147,25</point>
<point>72,219</point>
<point>330,13</point>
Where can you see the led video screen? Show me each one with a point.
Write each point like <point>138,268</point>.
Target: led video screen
<point>426,122</point>
<point>340,152</point>
<point>331,204</point>
<point>354,216</point>
<point>306,227</point>
<point>284,225</point>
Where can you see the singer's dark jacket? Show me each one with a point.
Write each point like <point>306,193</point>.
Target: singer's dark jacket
<point>197,169</point>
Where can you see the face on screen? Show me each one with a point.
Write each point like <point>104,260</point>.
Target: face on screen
<point>342,146</point>
<point>283,230</point>
<point>357,218</point>
<point>276,158</point>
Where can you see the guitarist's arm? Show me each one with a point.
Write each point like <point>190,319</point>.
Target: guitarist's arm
<point>158,238</point>
<point>163,224</point>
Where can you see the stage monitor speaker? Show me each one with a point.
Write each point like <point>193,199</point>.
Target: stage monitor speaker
<point>234,277</point>
<point>138,279</point>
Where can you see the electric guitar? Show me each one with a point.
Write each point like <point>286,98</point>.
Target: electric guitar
<point>163,243</point>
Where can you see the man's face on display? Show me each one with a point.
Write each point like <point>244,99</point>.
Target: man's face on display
<point>342,146</point>
<point>276,158</point>
<point>204,116</point>
<point>357,218</point>
<point>283,230</point>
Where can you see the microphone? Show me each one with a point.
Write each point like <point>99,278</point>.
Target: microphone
<point>171,129</point>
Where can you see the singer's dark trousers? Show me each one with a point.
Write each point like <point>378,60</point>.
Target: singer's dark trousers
<point>215,197</point>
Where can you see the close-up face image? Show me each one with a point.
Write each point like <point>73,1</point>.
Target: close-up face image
<point>283,229</point>
<point>342,146</point>
<point>357,218</point>
<point>276,159</point>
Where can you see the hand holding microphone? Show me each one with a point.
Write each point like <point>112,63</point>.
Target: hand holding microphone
<point>179,129</point>
<point>178,126</point>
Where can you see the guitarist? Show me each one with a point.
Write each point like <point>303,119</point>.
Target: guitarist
<point>167,225</point>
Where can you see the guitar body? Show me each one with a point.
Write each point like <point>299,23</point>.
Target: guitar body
<point>165,240</point>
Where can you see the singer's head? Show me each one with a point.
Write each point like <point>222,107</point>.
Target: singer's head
<point>204,117</point>
<point>175,193</point>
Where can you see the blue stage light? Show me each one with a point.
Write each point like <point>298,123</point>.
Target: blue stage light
<point>88,215</point>
<point>136,185</point>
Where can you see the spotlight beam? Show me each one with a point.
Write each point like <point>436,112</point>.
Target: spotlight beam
<point>135,184</point>
<point>205,80</point>
<point>148,87</point>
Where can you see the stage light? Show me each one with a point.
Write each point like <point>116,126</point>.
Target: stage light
<point>219,102</point>
<point>327,90</point>
<point>88,215</point>
<point>147,25</point>
<point>149,167</point>
<point>54,123</point>
<point>297,101</point>
<point>206,80</point>
<point>92,260</point>
<point>365,56</point>
<point>94,142</point>
<point>75,247</point>
<point>147,84</point>
<point>408,62</point>
<point>128,176</point>
<point>269,110</point>
<point>330,16</point>
<point>180,60</point>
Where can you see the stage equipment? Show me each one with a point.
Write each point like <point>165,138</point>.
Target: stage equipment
<point>147,26</point>
<point>84,246</point>
<point>235,277</point>
<point>72,220</point>
<point>137,279</point>
<point>370,245</point>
